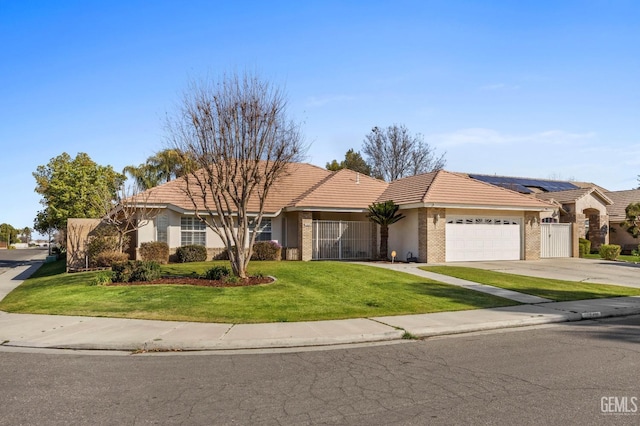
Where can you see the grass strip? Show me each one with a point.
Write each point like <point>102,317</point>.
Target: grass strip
<point>553,289</point>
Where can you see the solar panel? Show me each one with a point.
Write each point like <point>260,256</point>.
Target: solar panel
<point>521,184</point>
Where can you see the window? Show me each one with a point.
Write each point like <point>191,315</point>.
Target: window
<point>162,225</point>
<point>264,232</point>
<point>192,231</point>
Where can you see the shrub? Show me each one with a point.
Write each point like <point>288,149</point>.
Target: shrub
<point>584,246</point>
<point>156,251</point>
<point>108,258</point>
<point>231,279</point>
<point>121,272</point>
<point>103,278</point>
<point>135,270</point>
<point>217,273</point>
<point>610,251</point>
<point>103,239</point>
<point>144,270</point>
<point>266,250</point>
<point>192,253</point>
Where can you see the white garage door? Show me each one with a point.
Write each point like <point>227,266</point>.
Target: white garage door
<point>483,238</point>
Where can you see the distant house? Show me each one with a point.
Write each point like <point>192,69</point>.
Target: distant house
<point>617,215</point>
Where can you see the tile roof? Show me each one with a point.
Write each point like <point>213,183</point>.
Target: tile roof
<point>299,178</point>
<point>572,195</point>
<point>621,199</point>
<point>455,189</point>
<point>312,187</point>
<point>343,189</point>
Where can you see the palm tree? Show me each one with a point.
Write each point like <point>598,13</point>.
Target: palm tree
<point>384,214</point>
<point>160,168</point>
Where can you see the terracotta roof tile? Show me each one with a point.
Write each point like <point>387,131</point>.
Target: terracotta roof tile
<point>573,195</point>
<point>447,188</point>
<point>621,199</point>
<point>343,189</point>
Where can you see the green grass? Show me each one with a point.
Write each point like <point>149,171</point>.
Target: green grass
<point>304,291</point>
<point>557,290</point>
<point>622,257</point>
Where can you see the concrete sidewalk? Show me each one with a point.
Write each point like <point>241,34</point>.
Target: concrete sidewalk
<point>71,332</point>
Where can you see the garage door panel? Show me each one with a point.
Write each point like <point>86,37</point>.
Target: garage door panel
<point>483,239</point>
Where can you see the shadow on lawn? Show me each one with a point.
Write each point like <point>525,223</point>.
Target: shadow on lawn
<point>570,294</point>
<point>460,295</point>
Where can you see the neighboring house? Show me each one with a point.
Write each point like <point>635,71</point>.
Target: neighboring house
<point>617,215</point>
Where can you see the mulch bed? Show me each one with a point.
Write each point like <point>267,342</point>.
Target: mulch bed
<point>200,282</point>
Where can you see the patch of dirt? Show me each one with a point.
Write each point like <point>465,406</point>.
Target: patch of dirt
<point>201,282</point>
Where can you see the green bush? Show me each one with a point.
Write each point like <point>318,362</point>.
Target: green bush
<point>108,258</point>
<point>156,251</point>
<point>217,273</point>
<point>135,270</point>
<point>610,251</point>
<point>192,253</point>
<point>103,278</point>
<point>584,246</point>
<point>266,250</point>
<point>144,270</point>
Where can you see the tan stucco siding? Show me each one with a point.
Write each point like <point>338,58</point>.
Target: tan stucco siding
<point>403,235</point>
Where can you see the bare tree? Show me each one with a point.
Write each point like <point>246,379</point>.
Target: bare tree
<point>237,132</point>
<point>393,153</point>
<point>129,212</point>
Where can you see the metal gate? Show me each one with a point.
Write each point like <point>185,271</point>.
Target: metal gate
<point>555,240</point>
<point>341,240</point>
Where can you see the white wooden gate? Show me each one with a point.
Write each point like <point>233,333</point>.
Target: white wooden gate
<point>555,240</point>
<point>341,239</point>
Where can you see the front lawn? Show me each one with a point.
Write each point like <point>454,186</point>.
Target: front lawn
<point>304,291</point>
<point>557,290</point>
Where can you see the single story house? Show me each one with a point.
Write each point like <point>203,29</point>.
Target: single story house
<point>317,214</point>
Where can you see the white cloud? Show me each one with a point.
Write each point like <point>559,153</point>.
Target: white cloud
<point>320,101</point>
<point>482,136</point>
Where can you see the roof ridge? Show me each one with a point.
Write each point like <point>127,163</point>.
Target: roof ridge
<point>436,173</point>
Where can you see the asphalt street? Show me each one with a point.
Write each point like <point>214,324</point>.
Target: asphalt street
<point>13,258</point>
<point>574,373</point>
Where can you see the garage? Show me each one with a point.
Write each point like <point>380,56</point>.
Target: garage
<point>483,238</point>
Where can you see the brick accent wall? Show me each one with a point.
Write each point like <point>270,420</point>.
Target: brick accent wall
<point>436,235</point>
<point>422,235</point>
<point>431,235</point>
<point>531,236</point>
<point>305,235</point>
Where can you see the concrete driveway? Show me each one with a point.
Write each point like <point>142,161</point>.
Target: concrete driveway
<point>571,269</point>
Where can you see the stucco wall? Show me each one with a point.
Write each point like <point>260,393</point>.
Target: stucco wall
<point>403,235</point>
<point>621,237</point>
<point>77,236</point>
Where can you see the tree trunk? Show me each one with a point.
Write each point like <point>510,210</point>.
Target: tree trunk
<point>384,240</point>
<point>237,260</point>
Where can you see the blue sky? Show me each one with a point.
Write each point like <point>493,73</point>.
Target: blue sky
<point>539,89</point>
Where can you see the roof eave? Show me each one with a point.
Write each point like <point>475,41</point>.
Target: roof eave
<point>477,207</point>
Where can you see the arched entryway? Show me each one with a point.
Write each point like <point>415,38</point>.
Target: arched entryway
<point>594,229</point>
